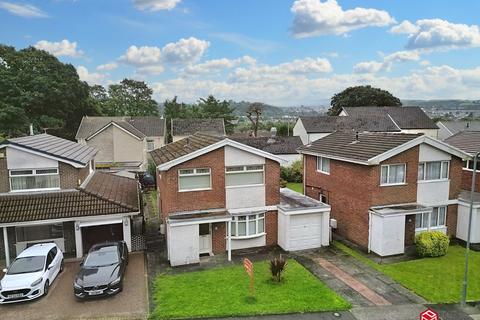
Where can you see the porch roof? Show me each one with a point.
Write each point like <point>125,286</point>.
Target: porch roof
<point>200,216</point>
<point>400,209</point>
<point>465,196</point>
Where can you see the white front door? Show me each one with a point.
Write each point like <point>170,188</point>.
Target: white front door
<point>205,236</point>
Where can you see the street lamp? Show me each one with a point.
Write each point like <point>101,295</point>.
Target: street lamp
<point>467,249</point>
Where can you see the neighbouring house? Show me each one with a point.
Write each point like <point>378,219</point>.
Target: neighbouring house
<point>384,188</point>
<point>366,119</point>
<point>468,141</point>
<point>449,128</point>
<point>122,142</point>
<point>284,147</point>
<point>216,195</point>
<point>50,192</point>
<point>182,128</point>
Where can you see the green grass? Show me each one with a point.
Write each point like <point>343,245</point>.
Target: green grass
<point>438,280</point>
<point>295,186</point>
<point>224,291</point>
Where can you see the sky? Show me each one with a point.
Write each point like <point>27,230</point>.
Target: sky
<point>281,52</point>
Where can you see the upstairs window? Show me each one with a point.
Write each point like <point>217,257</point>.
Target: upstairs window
<point>323,165</point>
<point>433,170</point>
<point>194,179</point>
<point>34,179</point>
<point>150,145</point>
<point>244,175</point>
<point>392,174</point>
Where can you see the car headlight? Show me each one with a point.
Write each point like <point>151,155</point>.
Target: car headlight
<point>36,282</point>
<point>77,286</point>
<point>115,282</point>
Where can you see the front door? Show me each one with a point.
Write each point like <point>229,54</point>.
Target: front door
<point>205,236</point>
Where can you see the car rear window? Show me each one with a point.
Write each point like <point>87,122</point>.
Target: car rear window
<point>102,257</point>
<point>27,265</point>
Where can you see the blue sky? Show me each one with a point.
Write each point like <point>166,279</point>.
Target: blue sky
<point>275,51</point>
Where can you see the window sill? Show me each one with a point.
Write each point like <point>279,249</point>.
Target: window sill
<point>34,190</point>
<point>433,181</point>
<point>258,235</point>
<point>245,186</point>
<point>393,184</point>
<point>431,228</point>
<point>324,172</point>
<point>192,190</point>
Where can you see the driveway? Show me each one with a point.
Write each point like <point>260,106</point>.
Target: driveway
<point>60,303</point>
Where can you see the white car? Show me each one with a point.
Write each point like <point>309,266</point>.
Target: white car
<point>31,273</point>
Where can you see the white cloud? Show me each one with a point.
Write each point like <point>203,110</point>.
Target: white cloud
<point>23,10</point>
<point>387,63</point>
<point>185,50</point>
<point>139,56</point>
<point>218,65</point>
<point>368,67</point>
<point>424,63</point>
<point>90,77</point>
<point>432,34</point>
<point>313,17</point>
<point>58,49</point>
<point>150,70</point>
<point>155,5</point>
<point>107,66</point>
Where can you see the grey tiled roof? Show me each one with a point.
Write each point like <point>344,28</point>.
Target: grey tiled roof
<point>104,194</point>
<point>458,126</point>
<point>186,127</point>
<point>404,117</point>
<point>55,146</point>
<point>468,141</point>
<point>344,144</point>
<point>150,126</point>
<point>274,145</point>
<point>327,124</point>
<point>183,147</point>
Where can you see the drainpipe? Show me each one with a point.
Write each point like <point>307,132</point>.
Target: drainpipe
<point>229,240</point>
<point>467,249</point>
<point>369,229</point>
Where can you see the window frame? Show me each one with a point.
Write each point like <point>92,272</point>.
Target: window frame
<point>236,221</point>
<point>320,165</point>
<point>388,174</point>
<point>33,174</point>
<point>442,164</point>
<point>466,165</point>
<point>194,174</point>
<point>437,211</point>
<point>152,142</point>
<point>243,171</point>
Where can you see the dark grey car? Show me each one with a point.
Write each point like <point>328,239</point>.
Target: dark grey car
<point>102,271</point>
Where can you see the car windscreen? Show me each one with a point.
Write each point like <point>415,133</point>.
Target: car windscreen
<point>102,257</point>
<point>27,265</point>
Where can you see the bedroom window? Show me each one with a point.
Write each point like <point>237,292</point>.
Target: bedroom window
<point>392,174</point>
<point>194,179</point>
<point>34,179</point>
<point>244,175</point>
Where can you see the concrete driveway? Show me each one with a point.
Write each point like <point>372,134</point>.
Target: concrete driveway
<point>60,303</point>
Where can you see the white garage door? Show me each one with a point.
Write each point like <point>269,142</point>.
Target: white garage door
<point>305,231</point>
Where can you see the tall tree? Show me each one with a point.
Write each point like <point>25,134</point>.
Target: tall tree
<point>213,108</point>
<point>130,98</point>
<point>362,96</point>
<point>253,114</point>
<point>172,109</point>
<point>35,87</point>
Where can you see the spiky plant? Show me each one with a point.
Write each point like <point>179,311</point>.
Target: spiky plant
<point>277,266</point>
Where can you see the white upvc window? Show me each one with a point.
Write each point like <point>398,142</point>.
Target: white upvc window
<point>393,174</point>
<point>194,179</point>
<point>433,170</point>
<point>34,179</point>
<point>436,219</point>
<point>323,165</point>
<point>244,175</point>
<point>248,226</point>
<point>468,164</point>
<point>150,145</point>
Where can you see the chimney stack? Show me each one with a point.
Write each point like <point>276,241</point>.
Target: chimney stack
<point>31,129</point>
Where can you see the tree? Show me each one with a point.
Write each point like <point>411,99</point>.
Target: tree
<point>99,98</point>
<point>213,108</point>
<point>35,87</point>
<point>362,96</point>
<point>253,114</point>
<point>174,110</point>
<point>130,98</point>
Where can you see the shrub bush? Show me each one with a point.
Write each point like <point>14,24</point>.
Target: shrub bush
<point>432,244</point>
<point>293,173</point>
<point>277,266</point>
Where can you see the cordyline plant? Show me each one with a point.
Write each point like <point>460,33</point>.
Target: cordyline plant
<point>277,266</point>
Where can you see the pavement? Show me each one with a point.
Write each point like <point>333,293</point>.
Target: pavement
<point>60,303</point>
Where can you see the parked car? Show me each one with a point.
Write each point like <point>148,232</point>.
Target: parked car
<point>31,273</point>
<point>101,272</point>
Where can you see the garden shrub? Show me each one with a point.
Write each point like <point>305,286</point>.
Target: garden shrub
<point>293,173</point>
<point>432,244</point>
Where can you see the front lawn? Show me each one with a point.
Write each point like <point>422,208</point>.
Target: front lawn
<point>295,186</point>
<point>438,280</point>
<point>224,291</point>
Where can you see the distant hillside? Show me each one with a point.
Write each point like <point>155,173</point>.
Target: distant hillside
<point>270,111</point>
<point>444,104</point>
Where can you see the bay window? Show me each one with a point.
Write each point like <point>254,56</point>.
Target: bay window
<point>244,175</point>
<point>323,165</point>
<point>436,219</point>
<point>433,170</point>
<point>34,179</point>
<point>392,174</point>
<point>194,179</point>
<point>248,225</point>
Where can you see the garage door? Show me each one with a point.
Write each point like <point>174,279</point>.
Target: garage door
<point>98,234</point>
<point>305,231</point>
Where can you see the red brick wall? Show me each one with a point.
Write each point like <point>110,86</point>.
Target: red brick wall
<point>219,234</point>
<point>272,182</point>
<point>69,176</point>
<point>467,180</point>
<point>452,220</point>
<point>170,200</point>
<point>409,230</point>
<point>271,227</point>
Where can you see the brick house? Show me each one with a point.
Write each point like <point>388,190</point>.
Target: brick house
<point>384,188</point>
<point>50,192</point>
<point>216,195</point>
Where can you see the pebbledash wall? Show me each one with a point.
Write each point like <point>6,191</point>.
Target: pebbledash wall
<point>170,200</point>
<point>351,189</point>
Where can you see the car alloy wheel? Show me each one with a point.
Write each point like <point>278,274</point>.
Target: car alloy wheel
<point>45,288</point>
